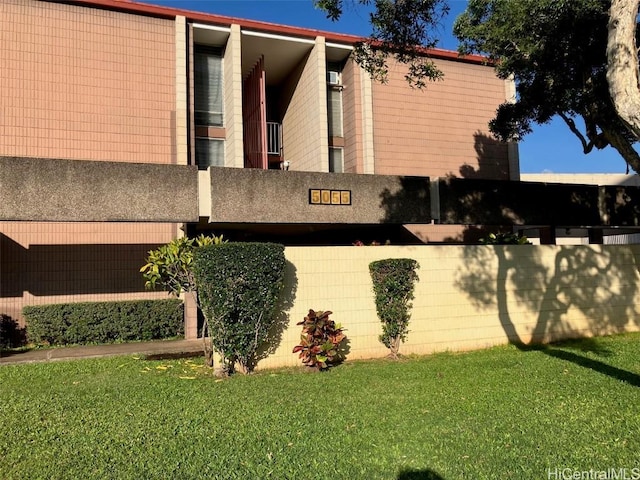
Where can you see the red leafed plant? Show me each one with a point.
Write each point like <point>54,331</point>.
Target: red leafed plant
<point>320,340</point>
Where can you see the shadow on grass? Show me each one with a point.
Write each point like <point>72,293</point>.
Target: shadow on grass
<point>595,365</point>
<point>426,474</point>
<point>559,350</point>
<point>173,356</point>
<point>600,283</point>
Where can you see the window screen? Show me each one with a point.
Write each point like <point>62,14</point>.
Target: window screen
<point>209,152</point>
<point>336,163</point>
<point>208,87</point>
<point>334,112</point>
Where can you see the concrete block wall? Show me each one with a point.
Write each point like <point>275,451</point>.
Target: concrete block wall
<point>467,297</point>
<point>44,262</point>
<point>304,126</point>
<point>85,83</point>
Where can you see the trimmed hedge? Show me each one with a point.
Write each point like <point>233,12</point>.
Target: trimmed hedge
<point>239,285</point>
<point>104,322</point>
<point>393,285</point>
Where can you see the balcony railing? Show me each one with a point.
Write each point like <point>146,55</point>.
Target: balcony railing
<point>274,138</point>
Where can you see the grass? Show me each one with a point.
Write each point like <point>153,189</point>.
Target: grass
<point>499,413</point>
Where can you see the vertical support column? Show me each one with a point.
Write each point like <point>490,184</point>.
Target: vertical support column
<point>547,235</point>
<point>190,316</point>
<point>232,68</point>
<point>596,236</point>
<point>367,123</point>
<point>191,119</point>
<point>181,130</point>
<point>321,76</point>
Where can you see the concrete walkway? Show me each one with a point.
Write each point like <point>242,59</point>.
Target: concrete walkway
<point>160,349</point>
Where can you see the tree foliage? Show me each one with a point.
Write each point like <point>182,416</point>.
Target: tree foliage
<point>171,266</point>
<point>393,285</point>
<point>556,52</point>
<point>401,30</point>
<point>239,285</point>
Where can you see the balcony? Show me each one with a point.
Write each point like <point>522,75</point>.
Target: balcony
<point>274,138</point>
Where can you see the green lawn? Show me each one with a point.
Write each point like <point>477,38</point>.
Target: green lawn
<point>501,413</point>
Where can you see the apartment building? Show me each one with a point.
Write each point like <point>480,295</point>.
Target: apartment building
<point>124,125</point>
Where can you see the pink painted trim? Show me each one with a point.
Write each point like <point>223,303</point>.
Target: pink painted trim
<point>170,12</point>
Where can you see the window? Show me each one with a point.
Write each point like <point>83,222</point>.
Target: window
<point>209,152</point>
<point>336,162</point>
<point>208,86</point>
<point>334,111</point>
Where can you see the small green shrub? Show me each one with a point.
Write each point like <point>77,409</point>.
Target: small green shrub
<point>320,340</point>
<point>393,284</point>
<point>239,285</point>
<point>171,266</point>
<point>104,322</point>
<point>505,239</point>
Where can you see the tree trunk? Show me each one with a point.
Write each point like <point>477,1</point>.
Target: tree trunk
<point>622,63</point>
<point>395,347</point>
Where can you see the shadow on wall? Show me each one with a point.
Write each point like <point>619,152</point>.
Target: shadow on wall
<point>410,204</point>
<point>485,196</point>
<point>70,269</point>
<point>287,300</point>
<point>493,159</point>
<point>493,163</point>
<point>601,283</point>
<point>11,334</point>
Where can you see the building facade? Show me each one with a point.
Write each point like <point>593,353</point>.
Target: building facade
<point>121,82</point>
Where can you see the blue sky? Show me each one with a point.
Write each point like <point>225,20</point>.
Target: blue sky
<point>550,148</point>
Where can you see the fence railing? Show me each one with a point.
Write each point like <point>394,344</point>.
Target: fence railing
<point>274,138</point>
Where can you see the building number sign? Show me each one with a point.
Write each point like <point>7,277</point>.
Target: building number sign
<point>319,196</point>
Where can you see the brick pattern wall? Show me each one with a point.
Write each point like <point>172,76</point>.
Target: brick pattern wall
<point>352,118</point>
<point>442,129</point>
<point>180,153</point>
<point>304,126</point>
<point>84,83</point>
<point>44,263</point>
<point>90,84</point>
<point>548,292</point>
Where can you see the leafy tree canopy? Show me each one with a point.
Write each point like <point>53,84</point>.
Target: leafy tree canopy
<point>400,30</point>
<point>555,50</point>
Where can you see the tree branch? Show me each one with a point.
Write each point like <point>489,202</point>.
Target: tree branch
<point>618,141</point>
<point>586,147</point>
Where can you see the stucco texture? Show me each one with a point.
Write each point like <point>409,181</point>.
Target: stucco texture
<point>274,196</point>
<point>35,189</point>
